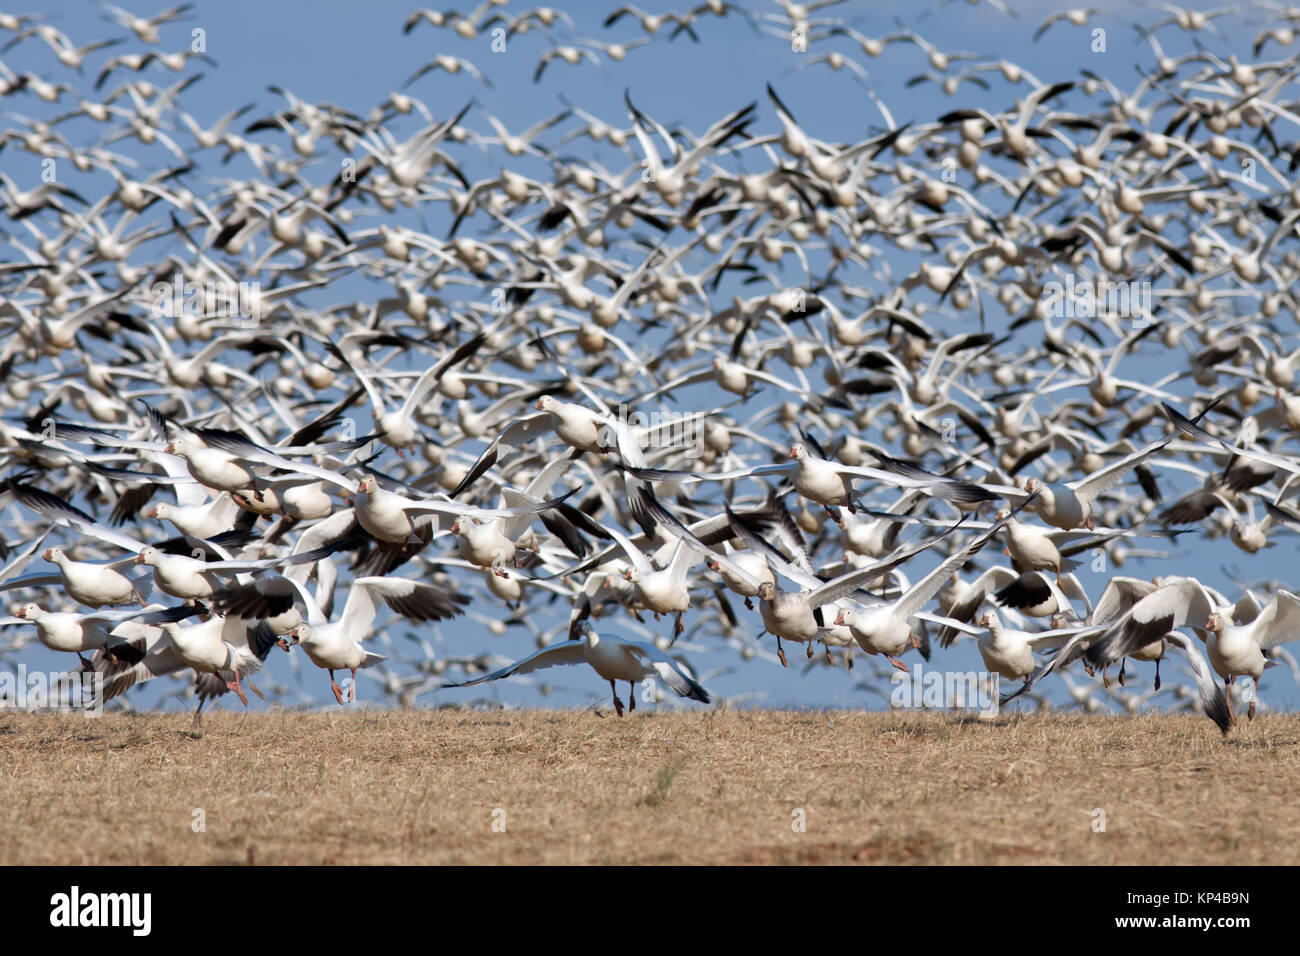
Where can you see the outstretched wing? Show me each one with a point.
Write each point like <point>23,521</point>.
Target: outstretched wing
<point>569,652</point>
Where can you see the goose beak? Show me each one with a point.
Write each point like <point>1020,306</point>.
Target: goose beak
<point>139,559</point>
<point>538,405</point>
<point>839,618</point>
<point>48,555</point>
<point>171,448</point>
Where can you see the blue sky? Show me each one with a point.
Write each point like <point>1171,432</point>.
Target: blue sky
<point>353,54</point>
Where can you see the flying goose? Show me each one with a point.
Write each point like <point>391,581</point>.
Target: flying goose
<point>613,659</point>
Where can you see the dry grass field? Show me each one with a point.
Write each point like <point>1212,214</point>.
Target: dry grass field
<point>701,787</point>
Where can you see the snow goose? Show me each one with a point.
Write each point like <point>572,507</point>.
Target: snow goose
<point>1030,593</point>
<point>1237,650</point>
<point>797,615</point>
<point>1070,505</point>
<point>192,579</point>
<point>397,427</point>
<point>829,483</point>
<point>613,659</point>
<point>219,651</point>
<point>202,521</point>
<point>492,544</point>
<point>754,566</point>
<point>1174,603</point>
<point>391,517</point>
<point>336,645</point>
<point>78,633</point>
<point>94,585</point>
<point>889,628</point>
<point>1010,652</point>
<point>1118,597</point>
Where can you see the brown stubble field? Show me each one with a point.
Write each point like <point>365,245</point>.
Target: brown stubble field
<point>693,787</point>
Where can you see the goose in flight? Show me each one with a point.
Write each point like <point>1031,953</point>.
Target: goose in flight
<point>220,651</point>
<point>613,659</point>
<point>1237,650</point>
<point>78,633</point>
<point>1010,653</point>
<point>1071,505</point>
<point>394,518</point>
<point>336,645</point>
<point>888,628</point>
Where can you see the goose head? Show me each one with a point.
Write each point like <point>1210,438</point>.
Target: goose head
<point>1215,623</point>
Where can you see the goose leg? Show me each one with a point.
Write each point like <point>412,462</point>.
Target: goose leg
<point>809,649</point>
<point>198,715</point>
<point>334,686</point>
<point>1157,673</point>
<point>780,652</point>
<point>631,696</point>
<point>899,664</point>
<point>681,625</point>
<point>85,664</point>
<point>834,515</point>
<point>1254,692</point>
<point>618,704</point>
<point>235,686</point>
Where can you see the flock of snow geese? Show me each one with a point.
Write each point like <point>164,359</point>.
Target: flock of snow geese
<point>871,392</point>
